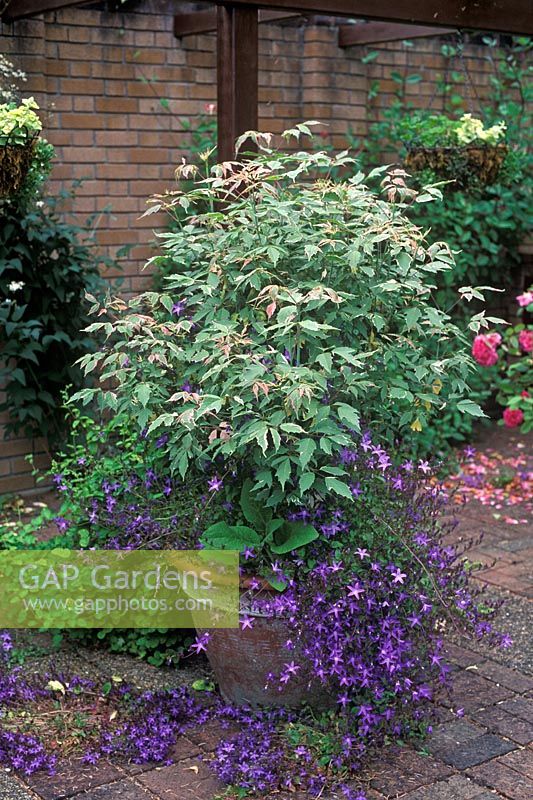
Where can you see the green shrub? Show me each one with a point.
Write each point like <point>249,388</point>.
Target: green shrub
<point>200,149</point>
<point>301,310</point>
<point>46,268</point>
<point>483,225</point>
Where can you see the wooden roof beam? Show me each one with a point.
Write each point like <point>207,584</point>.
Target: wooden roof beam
<point>19,9</point>
<point>376,32</point>
<point>192,22</point>
<point>500,16</point>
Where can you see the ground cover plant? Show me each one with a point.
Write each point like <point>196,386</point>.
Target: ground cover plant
<point>113,490</point>
<point>379,573</point>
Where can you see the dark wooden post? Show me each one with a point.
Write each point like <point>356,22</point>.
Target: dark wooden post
<point>237,68</point>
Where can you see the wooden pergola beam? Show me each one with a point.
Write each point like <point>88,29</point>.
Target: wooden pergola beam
<point>18,9</point>
<point>501,16</point>
<point>237,75</point>
<point>193,22</point>
<point>376,32</point>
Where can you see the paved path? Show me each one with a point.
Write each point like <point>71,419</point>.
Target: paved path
<point>485,755</point>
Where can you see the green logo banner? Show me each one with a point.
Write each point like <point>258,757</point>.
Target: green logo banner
<point>119,589</point>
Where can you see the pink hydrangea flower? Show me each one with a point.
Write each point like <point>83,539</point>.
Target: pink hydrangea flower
<point>525,299</point>
<point>484,350</point>
<point>513,417</point>
<point>525,340</point>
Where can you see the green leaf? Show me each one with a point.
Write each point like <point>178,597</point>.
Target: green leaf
<point>306,481</point>
<point>325,360</point>
<point>276,438</point>
<point>222,536</point>
<point>469,407</point>
<point>143,392</point>
<point>202,685</point>
<point>293,535</point>
<point>252,510</point>
<point>273,254</point>
<point>276,584</point>
<point>340,488</point>
<point>283,472</point>
<point>291,427</point>
<point>412,315</point>
<point>310,325</point>
<point>306,448</point>
<point>273,525</point>
<point>400,394</point>
<point>84,538</point>
<point>311,250</point>
<point>349,415</point>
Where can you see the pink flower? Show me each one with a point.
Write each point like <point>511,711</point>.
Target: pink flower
<point>484,350</point>
<point>524,394</point>
<point>525,299</point>
<point>494,339</point>
<point>525,340</point>
<point>513,417</point>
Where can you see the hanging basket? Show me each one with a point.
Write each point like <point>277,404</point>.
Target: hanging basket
<point>15,161</point>
<point>464,165</point>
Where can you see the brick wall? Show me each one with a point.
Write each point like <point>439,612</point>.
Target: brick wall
<point>99,77</point>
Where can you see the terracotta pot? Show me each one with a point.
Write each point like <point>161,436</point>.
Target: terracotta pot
<point>242,659</point>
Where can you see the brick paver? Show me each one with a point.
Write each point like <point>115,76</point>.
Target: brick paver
<point>481,756</point>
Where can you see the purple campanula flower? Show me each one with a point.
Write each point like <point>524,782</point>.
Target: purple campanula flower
<point>200,645</point>
<point>215,484</point>
<point>178,308</point>
<point>355,590</point>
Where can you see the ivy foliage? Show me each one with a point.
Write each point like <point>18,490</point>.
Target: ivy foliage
<point>46,268</point>
<point>300,312</point>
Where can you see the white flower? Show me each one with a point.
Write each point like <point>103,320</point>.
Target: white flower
<point>15,286</point>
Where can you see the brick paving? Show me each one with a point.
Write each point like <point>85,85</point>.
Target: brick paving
<point>487,754</point>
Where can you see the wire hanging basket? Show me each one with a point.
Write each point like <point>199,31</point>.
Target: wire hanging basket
<point>15,162</point>
<point>463,165</point>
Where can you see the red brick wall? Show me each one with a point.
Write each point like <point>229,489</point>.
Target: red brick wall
<point>98,77</point>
